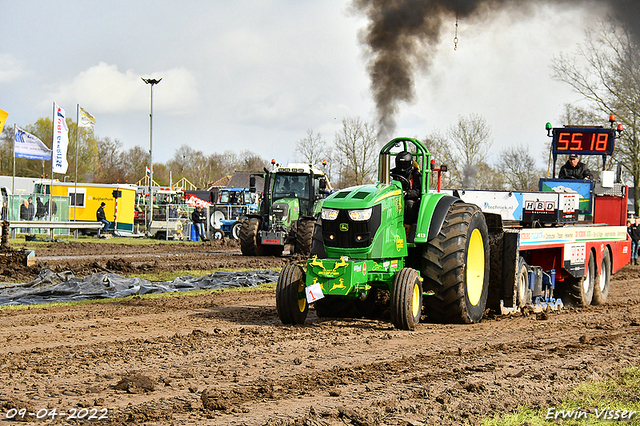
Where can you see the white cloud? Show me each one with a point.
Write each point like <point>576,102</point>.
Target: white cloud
<point>10,69</point>
<point>104,89</point>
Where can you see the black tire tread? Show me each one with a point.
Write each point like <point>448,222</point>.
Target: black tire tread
<point>304,235</point>
<point>443,265</point>
<point>287,295</point>
<point>249,237</point>
<point>402,299</point>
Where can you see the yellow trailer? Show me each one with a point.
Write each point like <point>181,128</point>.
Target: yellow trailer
<point>85,198</point>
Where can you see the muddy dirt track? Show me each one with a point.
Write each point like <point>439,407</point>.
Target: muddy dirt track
<point>225,359</point>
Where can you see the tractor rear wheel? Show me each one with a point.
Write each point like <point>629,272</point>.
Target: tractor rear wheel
<point>455,266</point>
<point>601,287</point>
<point>304,235</point>
<point>250,243</point>
<point>581,290</point>
<point>291,300</point>
<point>406,301</point>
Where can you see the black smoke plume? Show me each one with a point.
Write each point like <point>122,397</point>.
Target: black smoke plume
<point>400,34</point>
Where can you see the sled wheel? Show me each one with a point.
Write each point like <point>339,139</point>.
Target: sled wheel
<point>291,301</point>
<point>455,266</point>
<point>235,230</point>
<point>601,287</point>
<point>250,243</point>
<point>523,295</point>
<point>304,236</point>
<point>581,290</point>
<point>406,302</point>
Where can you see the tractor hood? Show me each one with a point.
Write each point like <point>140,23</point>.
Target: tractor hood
<point>365,222</point>
<point>358,197</point>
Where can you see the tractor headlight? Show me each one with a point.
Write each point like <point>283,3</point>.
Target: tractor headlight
<point>360,215</point>
<point>329,214</point>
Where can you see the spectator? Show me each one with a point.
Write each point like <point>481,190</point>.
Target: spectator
<point>24,215</point>
<point>102,217</point>
<point>32,209</point>
<point>198,218</point>
<point>40,209</point>
<point>173,213</point>
<point>574,169</point>
<point>633,229</point>
<point>54,208</point>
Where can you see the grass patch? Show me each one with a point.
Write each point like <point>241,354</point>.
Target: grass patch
<point>609,399</point>
<point>189,293</point>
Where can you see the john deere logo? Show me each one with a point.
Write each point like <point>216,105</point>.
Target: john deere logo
<point>344,227</point>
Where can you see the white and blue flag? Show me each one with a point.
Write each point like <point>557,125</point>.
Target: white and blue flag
<point>26,145</point>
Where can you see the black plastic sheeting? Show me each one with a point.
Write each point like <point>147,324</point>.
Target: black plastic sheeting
<point>64,286</point>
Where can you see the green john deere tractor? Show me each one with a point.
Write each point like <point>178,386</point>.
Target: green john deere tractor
<point>362,247</point>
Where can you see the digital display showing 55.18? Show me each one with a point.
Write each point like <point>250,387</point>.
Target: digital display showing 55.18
<point>583,141</point>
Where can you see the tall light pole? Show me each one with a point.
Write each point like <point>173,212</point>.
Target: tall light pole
<point>152,82</point>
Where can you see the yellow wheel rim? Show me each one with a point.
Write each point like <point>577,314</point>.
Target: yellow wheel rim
<point>302,298</point>
<point>475,267</point>
<point>415,303</point>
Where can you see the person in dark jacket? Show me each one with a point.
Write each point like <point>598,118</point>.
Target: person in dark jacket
<point>411,178</point>
<point>574,169</point>
<point>40,209</point>
<point>198,218</point>
<point>633,229</point>
<point>31,209</point>
<point>101,217</point>
<point>24,215</point>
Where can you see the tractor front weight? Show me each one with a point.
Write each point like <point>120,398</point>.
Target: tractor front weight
<point>351,278</point>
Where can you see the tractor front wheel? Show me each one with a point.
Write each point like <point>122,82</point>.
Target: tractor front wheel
<point>455,266</point>
<point>406,302</point>
<point>291,300</point>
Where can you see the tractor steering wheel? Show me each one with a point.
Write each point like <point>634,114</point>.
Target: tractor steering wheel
<point>402,179</point>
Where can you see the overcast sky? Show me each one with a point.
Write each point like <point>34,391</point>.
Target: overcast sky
<point>256,75</point>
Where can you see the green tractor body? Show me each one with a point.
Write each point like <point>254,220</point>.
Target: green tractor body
<point>291,202</point>
<point>363,245</point>
<point>365,239</point>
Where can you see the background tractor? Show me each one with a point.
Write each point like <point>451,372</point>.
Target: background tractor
<point>290,205</point>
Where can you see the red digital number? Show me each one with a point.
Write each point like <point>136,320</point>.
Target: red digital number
<point>563,141</point>
<point>599,141</point>
<point>576,142</point>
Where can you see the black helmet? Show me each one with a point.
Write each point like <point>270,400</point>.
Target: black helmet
<point>404,161</point>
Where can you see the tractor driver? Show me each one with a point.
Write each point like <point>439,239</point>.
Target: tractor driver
<point>411,179</point>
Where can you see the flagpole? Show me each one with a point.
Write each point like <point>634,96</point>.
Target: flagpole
<point>13,179</point>
<point>53,133</point>
<point>75,185</point>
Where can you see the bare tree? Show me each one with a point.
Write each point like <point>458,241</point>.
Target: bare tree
<point>610,79</point>
<point>356,152</point>
<point>518,169</point>
<point>312,149</point>
<point>465,149</point>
